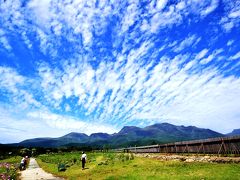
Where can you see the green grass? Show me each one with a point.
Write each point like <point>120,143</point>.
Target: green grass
<point>115,166</point>
<point>14,159</point>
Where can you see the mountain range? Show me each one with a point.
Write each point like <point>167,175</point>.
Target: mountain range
<point>128,136</point>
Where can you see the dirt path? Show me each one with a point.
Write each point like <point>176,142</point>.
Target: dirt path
<point>34,172</point>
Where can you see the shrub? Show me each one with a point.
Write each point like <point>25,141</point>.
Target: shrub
<point>131,156</point>
<point>127,157</point>
<point>8,171</point>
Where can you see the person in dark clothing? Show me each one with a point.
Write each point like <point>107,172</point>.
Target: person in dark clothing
<point>25,161</point>
<point>84,159</point>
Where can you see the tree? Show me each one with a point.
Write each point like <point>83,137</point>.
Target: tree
<point>34,151</point>
<point>25,152</point>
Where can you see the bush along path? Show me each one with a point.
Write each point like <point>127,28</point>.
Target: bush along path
<point>34,172</point>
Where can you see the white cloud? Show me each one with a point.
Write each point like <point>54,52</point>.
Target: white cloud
<point>138,93</point>
<point>165,19</point>
<point>15,84</point>
<point>161,4</point>
<point>41,10</point>
<point>210,8</point>
<point>234,57</point>
<point>211,57</point>
<point>207,60</point>
<point>77,21</point>
<point>26,40</point>
<point>67,108</point>
<point>130,16</point>
<point>230,42</point>
<point>228,26</point>
<point>232,14</point>
<point>62,122</point>
<point>186,43</point>
<point>135,82</point>
<point>17,126</point>
<point>4,40</point>
<point>10,79</point>
<point>201,54</point>
<point>196,100</point>
<point>181,5</point>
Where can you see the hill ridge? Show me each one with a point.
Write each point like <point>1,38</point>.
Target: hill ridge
<point>127,136</point>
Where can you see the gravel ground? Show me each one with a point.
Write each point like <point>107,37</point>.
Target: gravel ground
<point>190,158</point>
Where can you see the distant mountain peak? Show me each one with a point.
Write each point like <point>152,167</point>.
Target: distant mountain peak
<point>75,135</point>
<point>100,135</point>
<point>234,132</point>
<point>127,129</point>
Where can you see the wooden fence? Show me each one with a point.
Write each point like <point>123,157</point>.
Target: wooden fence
<point>224,145</point>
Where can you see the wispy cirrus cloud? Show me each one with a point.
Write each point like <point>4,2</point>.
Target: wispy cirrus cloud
<point>51,19</point>
<point>99,65</point>
<point>186,43</point>
<point>132,91</point>
<point>235,57</point>
<point>15,88</point>
<point>232,14</point>
<point>4,41</point>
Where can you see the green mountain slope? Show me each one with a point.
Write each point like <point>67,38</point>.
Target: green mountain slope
<point>127,136</point>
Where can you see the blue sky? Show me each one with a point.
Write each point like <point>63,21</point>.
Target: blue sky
<point>96,66</point>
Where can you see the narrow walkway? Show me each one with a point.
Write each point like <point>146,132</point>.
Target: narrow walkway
<point>34,172</point>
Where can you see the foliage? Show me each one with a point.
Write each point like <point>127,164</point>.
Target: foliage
<point>9,167</point>
<point>25,152</point>
<point>68,159</point>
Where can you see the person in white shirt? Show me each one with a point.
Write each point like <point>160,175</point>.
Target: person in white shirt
<point>22,164</point>
<point>83,158</point>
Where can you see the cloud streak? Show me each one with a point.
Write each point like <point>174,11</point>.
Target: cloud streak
<point>93,66</point>
<point>134,92</point>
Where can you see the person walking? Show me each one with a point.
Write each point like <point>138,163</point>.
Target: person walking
<point>22,164</point>
<point>83,158</point>
<point>26,162</point>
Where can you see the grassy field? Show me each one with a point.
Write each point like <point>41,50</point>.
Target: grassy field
<point>9,167</point>
<point>120,166</point>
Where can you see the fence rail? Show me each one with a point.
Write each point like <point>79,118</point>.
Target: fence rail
<point>224,145</point>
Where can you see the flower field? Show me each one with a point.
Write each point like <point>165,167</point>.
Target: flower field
<point>9,168</point>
